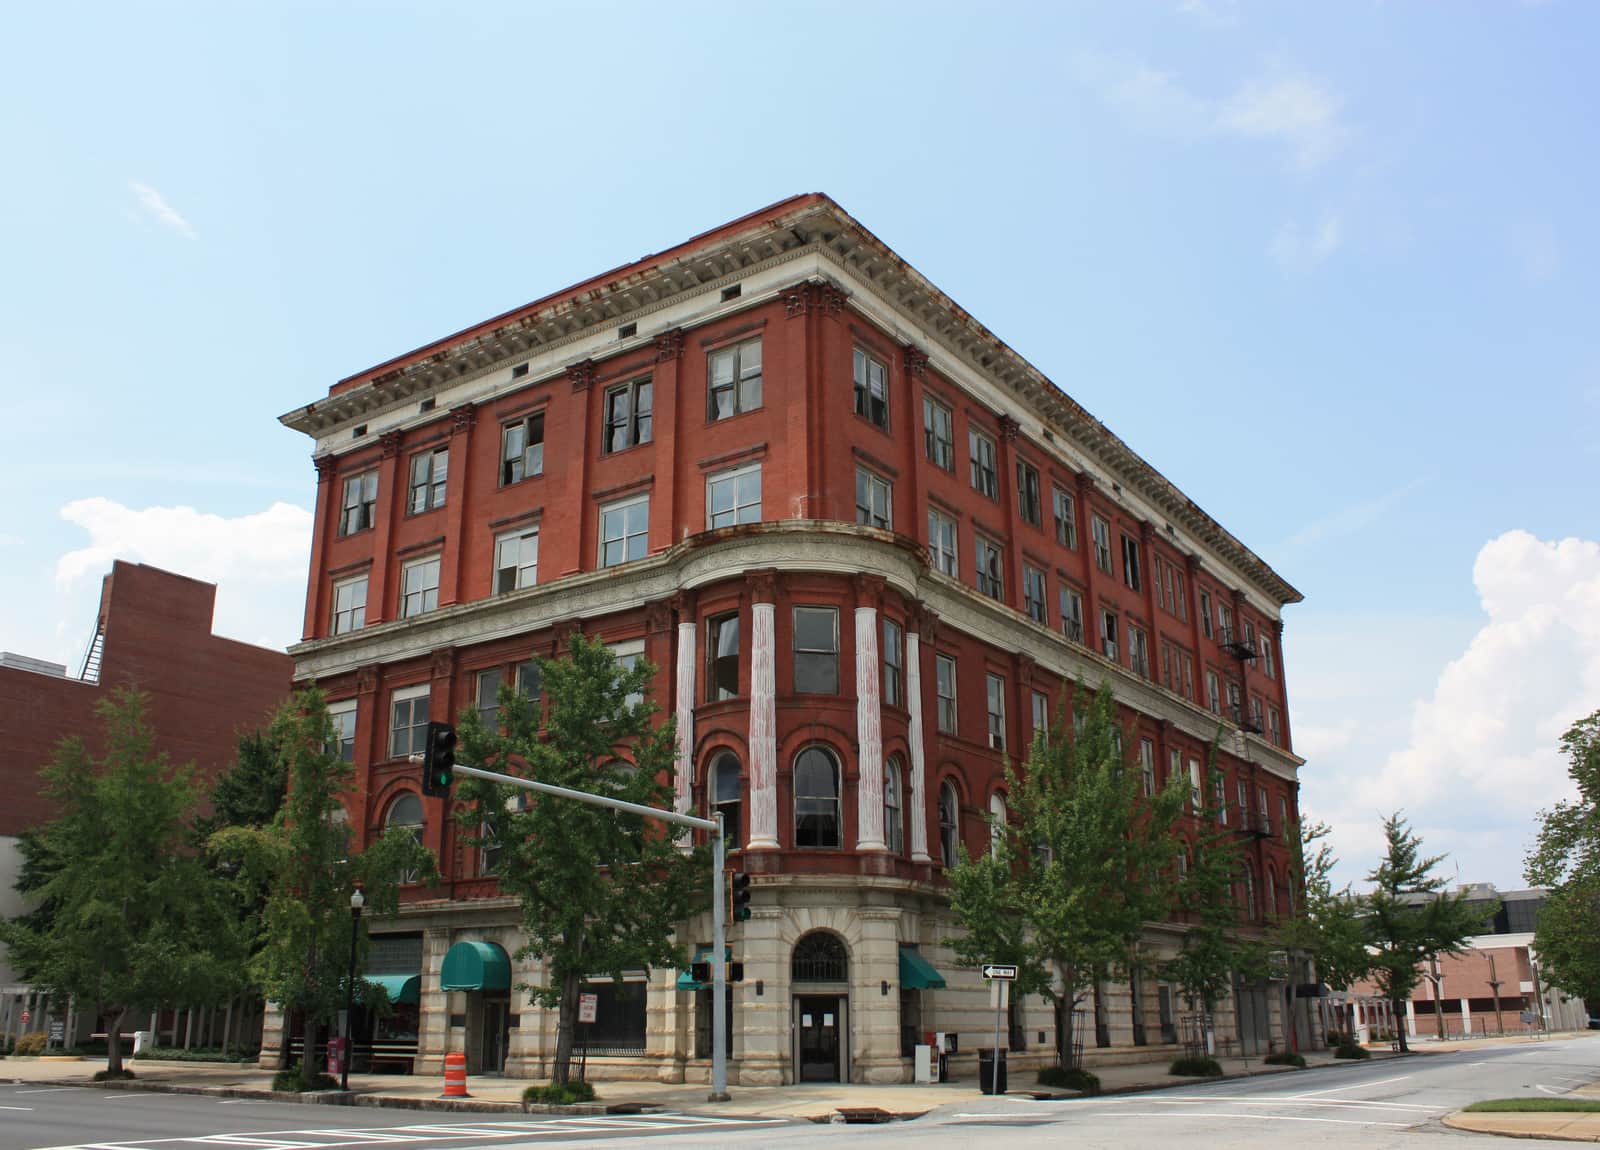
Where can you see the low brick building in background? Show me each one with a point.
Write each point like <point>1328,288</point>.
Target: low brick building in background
<point>152,631</point>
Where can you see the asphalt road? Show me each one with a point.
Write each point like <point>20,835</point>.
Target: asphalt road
<point>1393,1103</point>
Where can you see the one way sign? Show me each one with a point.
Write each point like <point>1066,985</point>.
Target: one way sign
<point>1001,973</point>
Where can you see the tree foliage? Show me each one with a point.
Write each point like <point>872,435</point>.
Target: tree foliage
<point>1326,922</point>
<point>128,917</point>
<point>301,868</point>
<point>251,791</point>
<point>1214,944</point>
<point>1083,861</point>
<point>1566,858</point>
<point>601,890</point>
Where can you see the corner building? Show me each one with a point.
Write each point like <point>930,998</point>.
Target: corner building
<point>868,548</point>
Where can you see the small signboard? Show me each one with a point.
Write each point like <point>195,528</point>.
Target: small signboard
<point>587,1004</point>
<point>1528,1016</point>
<point>1000,971</point>
<point>58,1031</point>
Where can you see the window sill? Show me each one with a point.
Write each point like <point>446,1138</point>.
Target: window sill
<point>519,482</point>
<point>425,511</point>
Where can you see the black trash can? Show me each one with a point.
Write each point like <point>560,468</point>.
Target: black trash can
<point>987,1081</point>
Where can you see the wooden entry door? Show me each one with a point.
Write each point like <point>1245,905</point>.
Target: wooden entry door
<point>819,1022</point>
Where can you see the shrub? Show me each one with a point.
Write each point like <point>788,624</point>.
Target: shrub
<point>123,1075</point>
<point>1351,1050</point>
<point>576,1090</point>
<point>178,1054</point>
<point>295,1080</point>
<point>1336,1038</point>
<point>1285,1058</point>
<point>1196,1068</point>
<point>1076,1078</point>
<point>30,1044</point>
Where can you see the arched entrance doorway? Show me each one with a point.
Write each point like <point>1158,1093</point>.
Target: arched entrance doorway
<point>820,979</point>
<point>483,971</point>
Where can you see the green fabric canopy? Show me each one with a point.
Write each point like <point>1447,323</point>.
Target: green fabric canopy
<point>917,973</point>
<point>475,965</point>
<point>402,988</point>
<point>686,979</point>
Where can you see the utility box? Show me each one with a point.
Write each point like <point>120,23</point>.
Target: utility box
<point>922,1063</point>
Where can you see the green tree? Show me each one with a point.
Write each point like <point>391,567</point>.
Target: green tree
<point>1566,859</point>
<point>251,791</point>
<point>134,918</point>
<point>1082,863</point>
<point>1327,920</point>
<point>300,870</point>
<point>1409,918</point>
<point>601,890</point>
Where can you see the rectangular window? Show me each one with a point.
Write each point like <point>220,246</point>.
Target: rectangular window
<point>1174,763</point>
<point>1167,660</point>
<point>429,473</point>
<point>1266,664</point>
<point>1205,613</point>
<point>516,560</point>
<point>1033,592</point>
<point>1066,514</point>
<point>1108,635</point>
<point>944,675</point>
<point>735,380</point>
<point>990,581</point>
<point>1219,797</point>
<point>408,721</point>
<point>874,500</point>
<point>942,543</point>
<point>628,410</point>
<point>1275,726</point>
<point>1225,622</point>
<point>1101,530</point>
<point>360,503</point>
<point>1263,812</point>
<point>1255,713</point>
<point>981,448</point>
<point>1041,716</point>
<point>1194,785</point>
<point>722,647</point>
<point>1244,802</point>
<point>419,586</point>
<point>487,698</point>
<point>1283,816</point>
<point>1188,678</point>
<point>522,449</point>
<point>624,531</point>
<point>1072,614</point>
<point>528,679</point>
<point>1147,766</point>
<point>893,664</point>
<point>938,433</point>
<point>350,605</point>
<point>1138,651</point>
<point>1130,563</point>
<point>1159,568</point>
<point>995,693</point>
<point>1235,703</point>
<point>816,651</point>
<point>343,716</point>
<point>733,497</point>
<point>628,655</point>
<point>1028,493</point>
<point>871,389</point>
<point>1213,693</point>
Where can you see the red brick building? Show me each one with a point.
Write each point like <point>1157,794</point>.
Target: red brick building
<point>868,548</point>
<point>152,631</point>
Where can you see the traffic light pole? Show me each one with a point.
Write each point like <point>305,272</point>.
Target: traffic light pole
<point>719,946</point>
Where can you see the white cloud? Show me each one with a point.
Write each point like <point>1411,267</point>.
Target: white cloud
<point>258,561</point>
<point>1299,250</point>
<point>1349,520</point>
<point>156,206</point>
<point>1293,110</point>
<point>1214,12</point>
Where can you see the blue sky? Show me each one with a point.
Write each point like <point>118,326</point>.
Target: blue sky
<point>1331,269</point>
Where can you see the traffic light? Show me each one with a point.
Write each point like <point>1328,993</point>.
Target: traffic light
<point>439,760</point>
<point>741,896</point>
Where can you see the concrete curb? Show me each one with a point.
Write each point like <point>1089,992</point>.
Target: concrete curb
<point>383,1101</point>
<point>1466,1126</point>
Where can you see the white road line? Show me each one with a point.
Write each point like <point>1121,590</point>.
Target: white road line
<point>1352,1086</point>
<point>16,1107</point>
<point>1547,1090</point>
<point>1264,1118</point>
<point>1264,1100</point>
<point>48,1089</point>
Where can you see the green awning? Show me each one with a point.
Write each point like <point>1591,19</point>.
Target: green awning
<point>686,979</point>
<point>917,973</point>
<point>475,965</point>
<point>401,988</point>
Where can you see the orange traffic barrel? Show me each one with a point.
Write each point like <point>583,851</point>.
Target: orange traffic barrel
<point>455,1076</point>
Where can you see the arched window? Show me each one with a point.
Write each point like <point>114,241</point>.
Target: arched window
<point>819,957</point>
<point>816,800</point>
<point>723,778</point>
<point>997,822</point>
<point>405,813</point>
<point>894,822</point>
<point>949,825</point>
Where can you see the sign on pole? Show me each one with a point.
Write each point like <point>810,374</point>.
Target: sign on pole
<point>587,1004</point>
<point>999,971</point>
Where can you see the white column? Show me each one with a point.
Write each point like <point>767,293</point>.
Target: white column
<point>685,711</point>
<point>869,735</point>
<point>763,728</point>
<point>1466,1019</point>
<point>919,795</point>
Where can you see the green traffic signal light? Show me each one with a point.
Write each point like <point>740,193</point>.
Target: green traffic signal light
<point>439,760</point>
<point>741,896</point>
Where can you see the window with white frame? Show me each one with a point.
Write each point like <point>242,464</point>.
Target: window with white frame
<point>1066,517</point>
<point>944,676</point>
<point>522,449</point>
<point>1028,497</point>
<point>995,694</point>
<point>997,823</point>
<point>1244,801</point>
<point>894,822</point>
<point>516,560</point>
<point>1174,763</point>
<point>734,497</point>
<point>949,824</point>
<point>1194,785</point>
<point>343,716</point>
<point>1138,651</point>
<point>490,851</point>
<point>360,503</point>
<point>1225,621</point>
<point>1147,766</point>
<point>735,380</point>
<point>817,821</point>
<point>430,472</point>
<point>1271,900</point>
<point>1275,726</point>
<point>408,720</point>
<point>1131,572</point>
<point>349,605</point>
<point>1283,815</point>
<point>1033,593</point>
<point>1249,892</point>
<point>629,409</point>
<point>722,643</point>
<point>816,650</point>
<point>1255,713</point>
<point>871,389</point>
<point>624,531</point>
<point>1263,811</point>
<point>1041,716</point>
<point>990,581</point>
<point>938,434</point>
<point>527,680</point>
<point>1188,677</point>
<point>487,697</point>
<point>1235,703</point>
<point>405,814</point>
<point>893,664</point>
<point>419,586</point>
<point>1100,528</point>
<point>1266,663</point>
<point>1072,614</point>
<point>725,797</point>
<point>1108,635</point>
<point>942,542</point>
<point>628,655</point>
<point>874,500</point>
<point>981,449</point>
<point>1213,693</point>
<point>1205,613</point>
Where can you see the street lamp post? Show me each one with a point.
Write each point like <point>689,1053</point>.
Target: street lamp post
<point>357,901</point>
